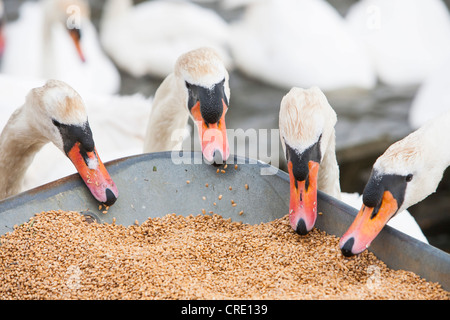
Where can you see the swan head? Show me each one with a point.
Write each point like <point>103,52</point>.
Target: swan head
<point>204,80</point>
<point>306,123</point>
<point>57,114</point>
<point>403,176</point>
<point>71,14</point>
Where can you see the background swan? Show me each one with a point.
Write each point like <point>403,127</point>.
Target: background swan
<point>55,39</point>
<point>52,113</point>
<point>406,40</point>
<point>408,172</point>
<point>306,123</point>
<point>299,43</point>
<point>147,39</point>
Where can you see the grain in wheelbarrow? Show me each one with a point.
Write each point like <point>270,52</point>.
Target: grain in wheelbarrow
<point>63,255</point>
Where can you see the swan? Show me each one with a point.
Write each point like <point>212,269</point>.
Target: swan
<point>54,39</point>
<point>405,174</point>
<point>198,88</point>
<point>307,132</point>
<point>406,40</point>
<point>299,43</point>
<point>117,133</point>
<point>147,39</point>
<point>52,113</point>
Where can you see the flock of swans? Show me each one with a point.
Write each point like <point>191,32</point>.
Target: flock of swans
<point>193,62</point>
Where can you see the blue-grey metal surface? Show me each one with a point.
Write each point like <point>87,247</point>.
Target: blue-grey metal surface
<point>152,185</point>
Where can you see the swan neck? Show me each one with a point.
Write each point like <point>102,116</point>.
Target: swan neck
<point>18,146</point>
<point>329,171</point>
<point>168,118</point>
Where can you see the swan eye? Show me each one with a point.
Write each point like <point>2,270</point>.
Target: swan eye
<point>56,123</point>
<point>409,177</point>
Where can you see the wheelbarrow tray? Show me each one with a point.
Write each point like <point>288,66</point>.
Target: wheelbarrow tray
<point>156,184</point>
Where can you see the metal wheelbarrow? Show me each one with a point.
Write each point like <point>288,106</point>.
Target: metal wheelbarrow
<point>153,185</point>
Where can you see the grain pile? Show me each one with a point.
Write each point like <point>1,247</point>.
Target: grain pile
<point>60,255</point>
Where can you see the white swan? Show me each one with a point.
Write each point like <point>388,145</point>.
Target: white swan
<point>147,39</point>
<point>405,174</point>
<point>54,39</point>
<point>157,122</point>
<point>306,123</point>
<point>197,88</point>
<point>52,113</point>
<point>299,43</point>
<point>406,40</point>
<point>117,133</point>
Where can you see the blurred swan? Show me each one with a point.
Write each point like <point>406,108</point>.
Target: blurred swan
<point>55,39</point>
<point>147,39</point>
<point>406,39</point>
<point>432,97</point>
<point>299,43</point>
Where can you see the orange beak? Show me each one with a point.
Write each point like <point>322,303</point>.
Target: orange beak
<point>303,199</point>
<point>367,225</point>
<point>75,35</point>
<point>213,136</point>
<point>94,174</point>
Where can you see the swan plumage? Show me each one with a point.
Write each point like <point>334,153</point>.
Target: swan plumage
<point>405,40</point>
<point>299,43</point>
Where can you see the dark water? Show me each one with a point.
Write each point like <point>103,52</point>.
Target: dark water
<point>368,122</point>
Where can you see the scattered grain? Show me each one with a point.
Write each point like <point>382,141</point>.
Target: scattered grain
<point>220,197</point>
<point>246,186</point>
<point>225,166</point>
<point>57,255</point>
<point>235,167</point>
<point>241,212</point>
<point>187,181</point>
<point>223,171</point>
